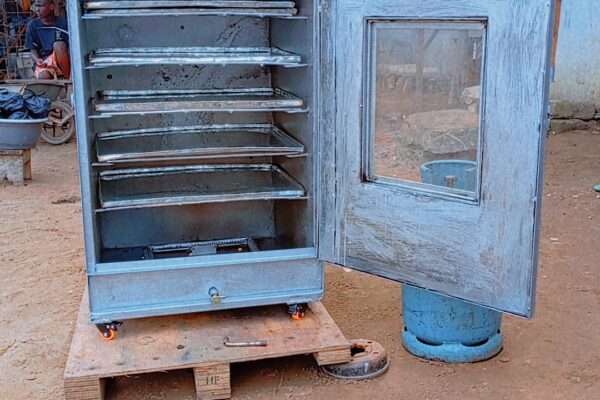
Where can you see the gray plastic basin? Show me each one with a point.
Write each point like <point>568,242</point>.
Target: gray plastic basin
<point>19,134</point>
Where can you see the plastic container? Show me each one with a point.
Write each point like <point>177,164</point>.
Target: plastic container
<point>20,134</point>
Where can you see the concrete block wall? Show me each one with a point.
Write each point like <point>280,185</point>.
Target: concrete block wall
<point>577,75</point>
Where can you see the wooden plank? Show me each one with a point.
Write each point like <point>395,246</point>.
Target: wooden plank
<point>197,341</point>
<point>27,165</point>
<point>84,389</point>
<point>333,357</point>
<point>212,382</point>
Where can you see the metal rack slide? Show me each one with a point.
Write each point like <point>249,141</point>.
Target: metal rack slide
<point>203,247</point>
<point>113,8</point>
<point>115,102</point>
<point>182,249</point>
<point>167,186</point>
<point>139,56</point>
<point>188,142</point>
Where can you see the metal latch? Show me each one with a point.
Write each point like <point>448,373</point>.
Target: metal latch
<point>215,296</point>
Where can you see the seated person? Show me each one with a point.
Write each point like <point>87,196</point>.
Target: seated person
<point>48,40</point>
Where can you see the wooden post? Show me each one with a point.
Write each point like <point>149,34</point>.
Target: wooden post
<point>27,165</point>
<point>212,382</point>
<point>15,166</point>
<point>84,389</point>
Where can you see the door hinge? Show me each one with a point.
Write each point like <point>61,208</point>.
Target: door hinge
<point>322,6</point>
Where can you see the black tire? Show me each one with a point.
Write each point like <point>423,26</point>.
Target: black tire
<point>53,133</point>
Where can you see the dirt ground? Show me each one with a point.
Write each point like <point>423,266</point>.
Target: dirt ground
<point>555,356</point>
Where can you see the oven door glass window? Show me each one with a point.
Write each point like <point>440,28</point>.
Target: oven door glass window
<point>424,105</point>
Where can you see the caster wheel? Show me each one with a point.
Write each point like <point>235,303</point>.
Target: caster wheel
<point>61,125</point>
<point>297,311</point>
<point>109,331</point>
<point>109,334</point>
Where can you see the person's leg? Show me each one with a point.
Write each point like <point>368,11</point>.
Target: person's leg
<point>61,54</point>
<point>44,74</point>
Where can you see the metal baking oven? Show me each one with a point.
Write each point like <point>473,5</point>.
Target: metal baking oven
<point>228,148</point>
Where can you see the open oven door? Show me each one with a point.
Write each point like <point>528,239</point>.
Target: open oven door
<point>432,146</point>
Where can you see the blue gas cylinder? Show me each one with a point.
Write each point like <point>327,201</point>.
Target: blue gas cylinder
<point>441,328</point>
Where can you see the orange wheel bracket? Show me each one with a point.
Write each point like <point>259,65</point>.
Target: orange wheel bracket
<point>297,311</point>
<point>109,335</point>
<point>108,331</point>
<point>297,316</point>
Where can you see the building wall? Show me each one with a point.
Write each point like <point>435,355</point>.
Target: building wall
<point>577,77</point>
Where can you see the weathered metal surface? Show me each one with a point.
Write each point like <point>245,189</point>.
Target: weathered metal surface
<point>117,4</point>
<point>403,233</point>
<point>195,142</point>
<point>327,140</point>
<point>207,246</point>
<point>192,55</point>
<point>114,102</point>
<point>161,31</point>
<point>302,38</point>
<point>188,223</point>
<point>155,287</point>
<point>78,48</point>
<point>272,8</point>
<point>483,251</point>
<point>176,12</point>
<point>154,187</point>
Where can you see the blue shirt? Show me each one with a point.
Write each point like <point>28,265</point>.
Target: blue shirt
<point>42,37</point>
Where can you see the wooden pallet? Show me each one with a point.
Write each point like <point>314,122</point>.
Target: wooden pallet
<point>15,166</point>
<point>196,341</point>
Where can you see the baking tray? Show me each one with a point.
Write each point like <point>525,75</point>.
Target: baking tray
<point>205,247</point>
<point>122,102</point>
<point>96,9</point>
<point>177,12</point>
<point>169,186</point>
<point>188,142</point>
<point>138,56</point>
<point>129,4</point>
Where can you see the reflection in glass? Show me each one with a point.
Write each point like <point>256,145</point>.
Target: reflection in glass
<point>425,93</point>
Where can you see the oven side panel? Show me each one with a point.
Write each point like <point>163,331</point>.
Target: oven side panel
<point>85,135</point>
<point>288,277</point>
<point>326,99</point>
<point>300,37</point>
